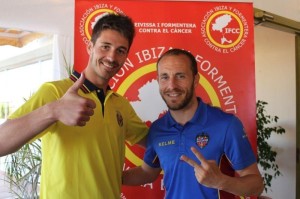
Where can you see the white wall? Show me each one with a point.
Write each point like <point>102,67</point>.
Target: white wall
<point>275,84</point>
<point>45,16</point>
<point>287,8</point>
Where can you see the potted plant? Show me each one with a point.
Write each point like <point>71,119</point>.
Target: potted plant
<point>266,126</point>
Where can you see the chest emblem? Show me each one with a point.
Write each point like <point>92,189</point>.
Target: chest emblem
<point>119,118</point>
<point>202,140</point>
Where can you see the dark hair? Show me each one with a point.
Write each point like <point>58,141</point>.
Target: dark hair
<point>121,23</point>
<point>177,51</point>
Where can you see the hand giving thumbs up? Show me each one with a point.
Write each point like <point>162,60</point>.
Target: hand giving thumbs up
<point>73,108</point>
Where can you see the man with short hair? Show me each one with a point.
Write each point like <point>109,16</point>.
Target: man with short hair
<point>190,140</point>
<point>82,123</point>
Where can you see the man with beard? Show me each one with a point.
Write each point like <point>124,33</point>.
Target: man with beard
<point>189,141</point>
<point>82,123</point>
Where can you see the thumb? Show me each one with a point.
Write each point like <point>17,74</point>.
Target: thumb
<point>76,86</point>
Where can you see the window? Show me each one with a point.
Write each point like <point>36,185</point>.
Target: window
<point>22,71</point>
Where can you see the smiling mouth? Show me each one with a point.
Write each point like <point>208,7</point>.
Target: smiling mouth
<point>173,95</point>
<point>107,65</point>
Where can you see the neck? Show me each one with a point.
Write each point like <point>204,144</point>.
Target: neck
<point>185,114</point>
<point>98,81</point>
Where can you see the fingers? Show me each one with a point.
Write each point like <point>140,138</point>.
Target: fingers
<point>85,111</point>
<point>191,162</point>
<point>198,154</point>
<point>76,86</point>
<point>206,172</point>
<point>73,108</point>
<point>91,104</point>
<point>83,121</point>
<point>188,160</point>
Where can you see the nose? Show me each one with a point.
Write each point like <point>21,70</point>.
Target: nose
<point>111,56</point>
<point>172,83</point>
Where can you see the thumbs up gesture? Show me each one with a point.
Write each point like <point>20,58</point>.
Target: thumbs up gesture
<point>73,109</point>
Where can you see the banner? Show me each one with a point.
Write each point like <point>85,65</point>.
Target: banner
<point>219,34</point>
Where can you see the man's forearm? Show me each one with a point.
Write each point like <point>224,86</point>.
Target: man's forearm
<point>249,185</point>
<point>140,175</point>
<point>134,177</point>
<point>15,133</point>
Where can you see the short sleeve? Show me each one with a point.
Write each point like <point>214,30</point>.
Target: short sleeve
<point>237,146</point>
<point>151,157</point>
<point>137,129</point>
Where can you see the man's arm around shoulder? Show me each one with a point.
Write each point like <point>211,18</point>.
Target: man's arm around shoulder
<point>140,175</point>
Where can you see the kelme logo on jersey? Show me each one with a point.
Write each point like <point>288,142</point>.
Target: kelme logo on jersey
<point>202,140</point>
<point>224,29</point>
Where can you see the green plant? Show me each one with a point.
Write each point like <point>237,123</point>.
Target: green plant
<point>23,170</point>
<point>4,110</point>
<point>23,167</point>
<point>69,68</point>
<point>266,155</point>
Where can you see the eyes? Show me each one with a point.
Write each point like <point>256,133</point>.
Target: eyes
<point>178,76</point>
<point>122,51</point>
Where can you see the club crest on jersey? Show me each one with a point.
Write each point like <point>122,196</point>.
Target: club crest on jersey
<point>119,118</point>
<point>202,140</point>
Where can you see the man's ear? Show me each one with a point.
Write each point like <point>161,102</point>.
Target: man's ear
<point>89,47</point>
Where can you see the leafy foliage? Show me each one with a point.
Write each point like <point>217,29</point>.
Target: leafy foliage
<point>4,110</point>
<point>69,68</point>
<point>266,155</point>
<point>23,169</point>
